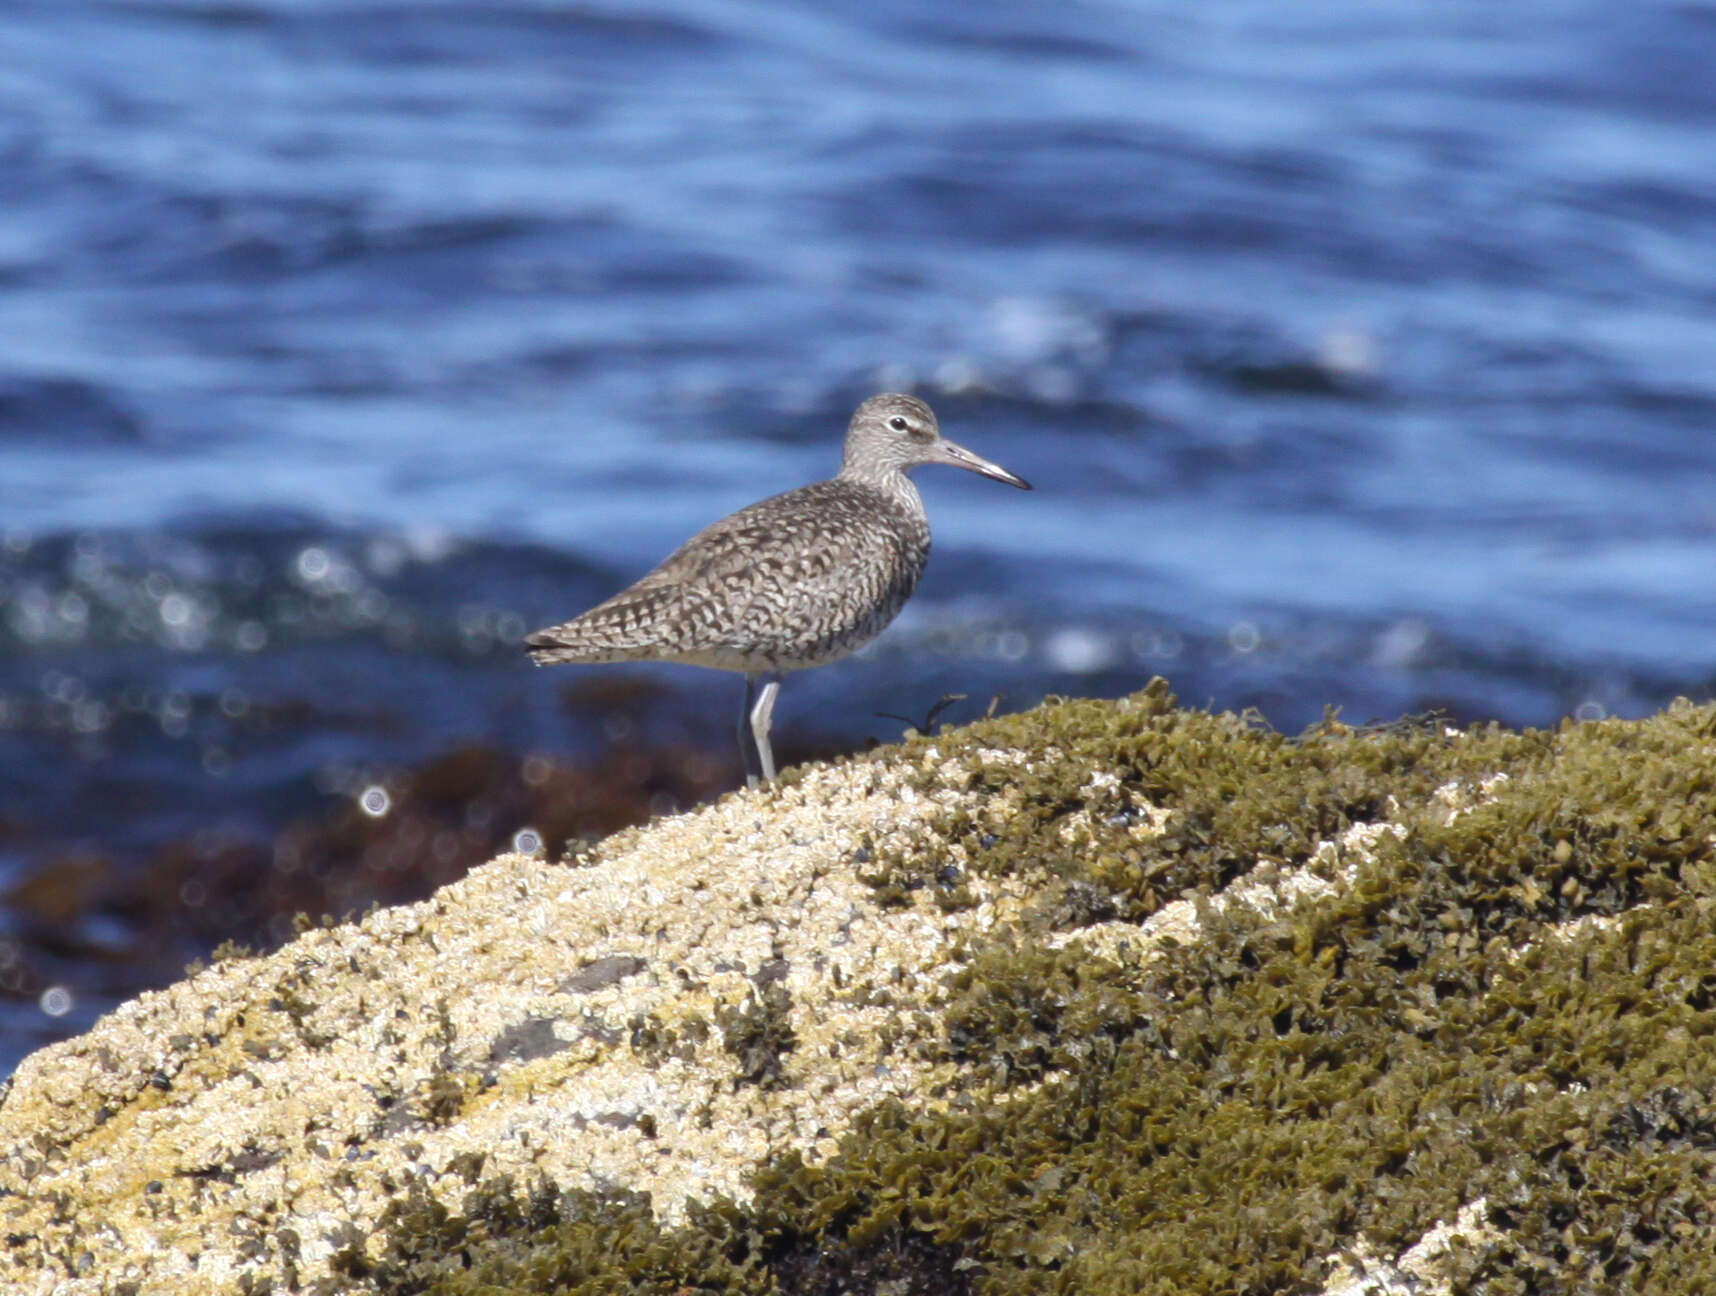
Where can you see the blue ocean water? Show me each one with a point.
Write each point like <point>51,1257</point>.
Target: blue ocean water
<point>1360,355</point>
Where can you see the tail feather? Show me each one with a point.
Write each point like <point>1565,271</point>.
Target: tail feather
<point>625,628</point>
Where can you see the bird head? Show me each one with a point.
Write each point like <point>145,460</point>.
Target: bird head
<point>894,433</point>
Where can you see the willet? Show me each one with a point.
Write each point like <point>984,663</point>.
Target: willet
<point>798,580</point>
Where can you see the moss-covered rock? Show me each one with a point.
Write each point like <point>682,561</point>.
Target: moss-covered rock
<point>1107,996</point>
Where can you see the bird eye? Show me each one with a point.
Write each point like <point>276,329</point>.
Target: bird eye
<point>897,423</point>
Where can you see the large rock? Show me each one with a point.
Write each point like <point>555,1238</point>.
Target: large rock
<point>1104,996</point>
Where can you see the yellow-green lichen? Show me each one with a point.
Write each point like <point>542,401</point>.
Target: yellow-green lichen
<point>759,1035</point>
<point>1504,1003</point>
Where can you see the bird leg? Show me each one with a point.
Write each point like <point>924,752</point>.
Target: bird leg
<point>759,714</point>
<point>747,748</point>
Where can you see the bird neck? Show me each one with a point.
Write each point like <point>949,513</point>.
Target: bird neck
<point>890,481</point>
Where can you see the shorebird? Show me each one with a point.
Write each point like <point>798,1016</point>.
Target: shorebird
<point>798,580</point>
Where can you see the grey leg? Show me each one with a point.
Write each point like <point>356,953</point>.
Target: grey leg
<point>747,747</point>
<point>762,715</point>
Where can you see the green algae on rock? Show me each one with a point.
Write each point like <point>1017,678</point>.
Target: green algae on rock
<point>1160,1002</point>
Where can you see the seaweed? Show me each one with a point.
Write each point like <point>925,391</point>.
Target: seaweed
<point>1505,1003</point>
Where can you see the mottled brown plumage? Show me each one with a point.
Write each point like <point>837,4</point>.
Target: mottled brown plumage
<point>798,580</point>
